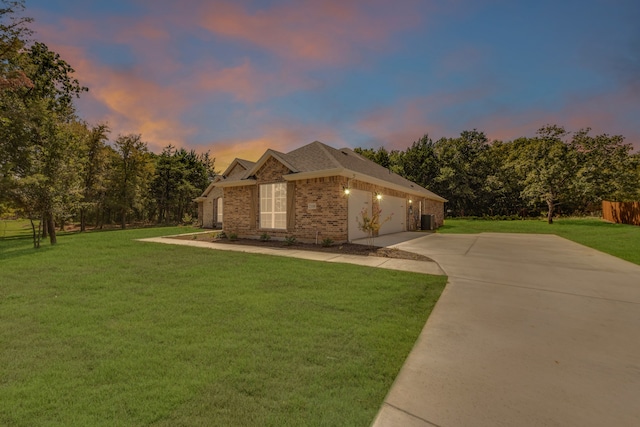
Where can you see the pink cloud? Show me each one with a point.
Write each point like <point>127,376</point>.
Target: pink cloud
<point>279,136</point>
<point>331,31</point>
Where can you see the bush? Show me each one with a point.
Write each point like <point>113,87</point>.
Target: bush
<point>289,240</point>
<point>233,236</point>
<point>265,237</point>
<point>187,219</point>
<point>327,242</point>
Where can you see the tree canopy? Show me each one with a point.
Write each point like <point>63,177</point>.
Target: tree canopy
<point>556,170</point>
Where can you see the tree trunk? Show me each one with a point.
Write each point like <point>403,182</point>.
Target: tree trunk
<point>45,227</point>
<point>123,220</point>
<point>82,219</point>
<point>550,213</point>
<point>51,225</point>
<point>36,234</point>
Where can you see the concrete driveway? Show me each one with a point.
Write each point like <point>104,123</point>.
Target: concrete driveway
<point>532,330</point>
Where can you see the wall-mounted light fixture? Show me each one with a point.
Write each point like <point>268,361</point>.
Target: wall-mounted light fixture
<point>347,188</point>
<point>378,196</point>
<point>410,201</point>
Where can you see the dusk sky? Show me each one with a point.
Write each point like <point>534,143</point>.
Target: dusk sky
<point>238,77</point>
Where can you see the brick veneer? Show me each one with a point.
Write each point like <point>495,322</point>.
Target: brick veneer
<point>321,207</point>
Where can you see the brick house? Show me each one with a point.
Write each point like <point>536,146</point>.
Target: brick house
<point>313,193</point>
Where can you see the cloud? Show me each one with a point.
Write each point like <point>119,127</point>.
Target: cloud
<point>276,135</point>
<point>321,32</point>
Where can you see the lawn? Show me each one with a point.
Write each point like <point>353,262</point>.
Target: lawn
<point>620,240</point>
<point>105,330</point>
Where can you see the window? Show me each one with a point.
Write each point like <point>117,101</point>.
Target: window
<point>273,206</point>
<point>219,210</point>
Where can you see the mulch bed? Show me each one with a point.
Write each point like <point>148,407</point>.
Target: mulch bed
<point>343,248</point>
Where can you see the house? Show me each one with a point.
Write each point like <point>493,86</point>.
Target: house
<point>313,193</point>
<point>210,207</point>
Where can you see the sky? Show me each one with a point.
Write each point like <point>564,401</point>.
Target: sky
<point>238,77</point>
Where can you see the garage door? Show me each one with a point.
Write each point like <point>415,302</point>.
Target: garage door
<point>394,206</point>
<point>358,200</point>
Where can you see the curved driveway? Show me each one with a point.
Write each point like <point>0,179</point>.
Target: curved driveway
<point>532,330</point>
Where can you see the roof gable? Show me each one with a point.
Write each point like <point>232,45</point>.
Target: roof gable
<point>280,157</point>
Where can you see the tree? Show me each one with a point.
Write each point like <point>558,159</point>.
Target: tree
<point>607,170</point>
<point>36,122</point>
<point>462,171</point>
<point>132,168</point>
<point>419,162</point>
<point>14,34</point>
<point>95,161</point>
<point>547,167</point>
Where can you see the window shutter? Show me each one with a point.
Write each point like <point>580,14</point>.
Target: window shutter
<point>291,205</point>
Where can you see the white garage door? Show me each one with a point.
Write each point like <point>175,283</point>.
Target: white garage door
<point>358,200</point>
<point>394,206</point>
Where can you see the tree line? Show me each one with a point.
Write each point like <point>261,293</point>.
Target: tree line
<point>555,171</point>
<point>55,167</point>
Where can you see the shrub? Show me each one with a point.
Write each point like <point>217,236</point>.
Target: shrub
<point>187,219</point>
<point>327,242</point>
<point>233,236</point>
<point>289,240</point>
<point>265,237</point>
<point>222,235</point>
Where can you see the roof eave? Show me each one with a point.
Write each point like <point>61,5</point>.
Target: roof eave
<point>347,173</point>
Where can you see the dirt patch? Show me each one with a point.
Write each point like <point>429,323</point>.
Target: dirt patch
<point>344,248</point>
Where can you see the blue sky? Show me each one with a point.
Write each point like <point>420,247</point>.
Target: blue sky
<point>238,77</point>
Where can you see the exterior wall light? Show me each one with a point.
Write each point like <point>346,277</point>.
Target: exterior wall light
<point>347,190</point>
<point>410,201</point>
<point>379,196</point>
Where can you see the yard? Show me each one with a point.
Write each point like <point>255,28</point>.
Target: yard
<point>105,330</point>
<point>619,240</point>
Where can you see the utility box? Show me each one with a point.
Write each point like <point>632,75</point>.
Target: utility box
<point>427,222</point>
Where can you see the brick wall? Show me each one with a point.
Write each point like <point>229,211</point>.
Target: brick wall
<point>436,208</point>
<point>238,213</point>
<point>271,171</point>
<point>321,209</point>
<point>320,206</point>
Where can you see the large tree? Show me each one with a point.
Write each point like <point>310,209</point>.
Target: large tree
<point>547,167</point>
<point>94,165</point>
<point>37,116</point>
<point>131,172</point>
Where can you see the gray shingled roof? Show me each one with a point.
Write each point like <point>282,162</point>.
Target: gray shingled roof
<point>317,157</point>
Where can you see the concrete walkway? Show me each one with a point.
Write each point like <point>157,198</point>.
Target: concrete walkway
<point>532,330</point>
<point>424,267</point>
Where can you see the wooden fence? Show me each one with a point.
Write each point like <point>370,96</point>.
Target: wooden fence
<point>621,212</point>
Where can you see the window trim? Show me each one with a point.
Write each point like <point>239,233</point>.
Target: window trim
<point>219,207</point>
<point>270,199</point>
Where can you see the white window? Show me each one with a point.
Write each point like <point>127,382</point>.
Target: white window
<point>273,206</point>
<point>219,210</point>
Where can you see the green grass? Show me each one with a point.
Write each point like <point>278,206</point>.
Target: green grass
<point>620,240</point>
<point>104,330</point>
<point>15,228</point>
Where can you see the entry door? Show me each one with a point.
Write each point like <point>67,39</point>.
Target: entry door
<point>358,200</point>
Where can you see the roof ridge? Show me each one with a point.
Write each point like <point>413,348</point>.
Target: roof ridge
<point>332,158</point>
